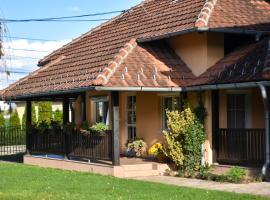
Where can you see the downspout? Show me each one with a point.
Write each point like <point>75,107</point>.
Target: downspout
<point>266,121</point>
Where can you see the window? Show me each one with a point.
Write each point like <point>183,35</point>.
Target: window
<point>131,117</point>
<point>101,110</point>
<point>236,110</point>
<point>171,104</point>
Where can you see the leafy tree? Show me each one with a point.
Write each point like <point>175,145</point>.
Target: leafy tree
<point>58,116</point>
<point>14,119</point>
<point>2,120</point>
<point>44,112</point>
<point>34,116</point>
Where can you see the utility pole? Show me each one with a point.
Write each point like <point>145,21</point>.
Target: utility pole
<point>1,42</point>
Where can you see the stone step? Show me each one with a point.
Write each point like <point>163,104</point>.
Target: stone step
<point>140,173</point>
<point>138,167</point>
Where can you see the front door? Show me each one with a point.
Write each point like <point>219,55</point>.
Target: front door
<point>131,117</point>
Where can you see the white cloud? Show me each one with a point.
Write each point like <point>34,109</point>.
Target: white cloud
<point>74,8</point>
<point>19,57</point>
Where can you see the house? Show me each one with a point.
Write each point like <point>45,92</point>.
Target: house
<point>127,71</point>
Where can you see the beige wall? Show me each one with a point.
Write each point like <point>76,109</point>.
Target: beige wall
<point>199,50</point>
<point>149,117</point>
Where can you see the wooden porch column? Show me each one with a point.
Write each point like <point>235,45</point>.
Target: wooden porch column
<point>65,122</point>
<point>215,123</point>
<point>115,128</point>
<point>83,106</point>
<point>28,124</point>
<point>65,110</point>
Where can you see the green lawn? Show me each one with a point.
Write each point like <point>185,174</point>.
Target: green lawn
<point>19,181</point>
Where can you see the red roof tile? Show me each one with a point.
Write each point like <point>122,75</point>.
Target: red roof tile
<point>79,63</point>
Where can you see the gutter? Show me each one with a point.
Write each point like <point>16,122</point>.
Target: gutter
<point>202,30</point>
<point>185,89</point>
<point>265,168</point>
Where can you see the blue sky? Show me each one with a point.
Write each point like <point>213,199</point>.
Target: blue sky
<point>58,33</point>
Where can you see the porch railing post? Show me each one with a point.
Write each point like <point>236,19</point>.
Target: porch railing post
<point>215,124</point>
<point>28,125</point>
<point>115,128</point>
<point>83,106</point>
<point>65,105</point>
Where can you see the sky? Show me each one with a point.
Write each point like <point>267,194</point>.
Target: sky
<point>20,62</point>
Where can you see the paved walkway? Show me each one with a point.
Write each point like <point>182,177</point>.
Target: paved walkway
<point>251,188</point>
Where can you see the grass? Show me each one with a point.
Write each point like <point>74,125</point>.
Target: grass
<point>19,181</point>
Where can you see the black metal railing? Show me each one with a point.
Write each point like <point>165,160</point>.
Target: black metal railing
<point>241,146</point>
<point>12,140</point>
<point>92,146</point>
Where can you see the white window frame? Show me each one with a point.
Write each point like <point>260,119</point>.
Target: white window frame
<point>101,99</point>
<point>163,107</point>
<point>131,110</point>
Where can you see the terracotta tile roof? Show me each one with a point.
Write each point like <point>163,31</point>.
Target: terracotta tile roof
<point>244,14</point>
<point>79,63</point>
<point>152,64</point>
<point>250,63</point>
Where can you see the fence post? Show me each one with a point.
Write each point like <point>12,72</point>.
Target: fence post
<point>28,125</point>
<point>115,128</point>
<point>65,105</point>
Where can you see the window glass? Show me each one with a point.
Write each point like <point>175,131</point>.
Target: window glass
<point>131,117</point>
<point>171,104</point>
<point>236,110</point>
<point>102,111</point>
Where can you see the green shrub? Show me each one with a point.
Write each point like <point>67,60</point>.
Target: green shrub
<point>2,121</point>
<point>236,174</point>
<point>14,119</point>
<point>99,127</point>
<point>184,138</point>
<point>44,112</point>
<point>58,116</point>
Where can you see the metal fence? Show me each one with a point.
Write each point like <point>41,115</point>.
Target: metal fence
<point>12,140</point>
<point>92,146</point>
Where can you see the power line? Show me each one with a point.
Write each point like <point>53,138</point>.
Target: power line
<point>32,50</point>
<point>15,56</point>
<point>34,39</point>
<point>56,20</point>
<point>63,17</point>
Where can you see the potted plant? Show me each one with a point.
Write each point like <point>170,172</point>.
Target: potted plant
<point>99,128</point>
<point>136,148</point>
<point>157,150</point>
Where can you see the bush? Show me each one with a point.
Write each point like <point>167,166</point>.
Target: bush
<point>184,138</point>
<point>236,174</point>
<point>99,127</point>
<point>58,116</point>
<point>14,119</point>
<point>136,147</point>
<point>44,112</point>
<point>2,121</point>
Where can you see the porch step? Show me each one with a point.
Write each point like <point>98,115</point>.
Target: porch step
<point>139,170</point>
<point>137,167</point>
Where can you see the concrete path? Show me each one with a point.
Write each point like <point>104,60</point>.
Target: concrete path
<point>262,189</point>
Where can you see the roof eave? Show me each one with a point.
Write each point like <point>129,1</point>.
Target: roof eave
<point>205,29</point>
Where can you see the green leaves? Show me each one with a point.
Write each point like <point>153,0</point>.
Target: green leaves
<point>184,138</point>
